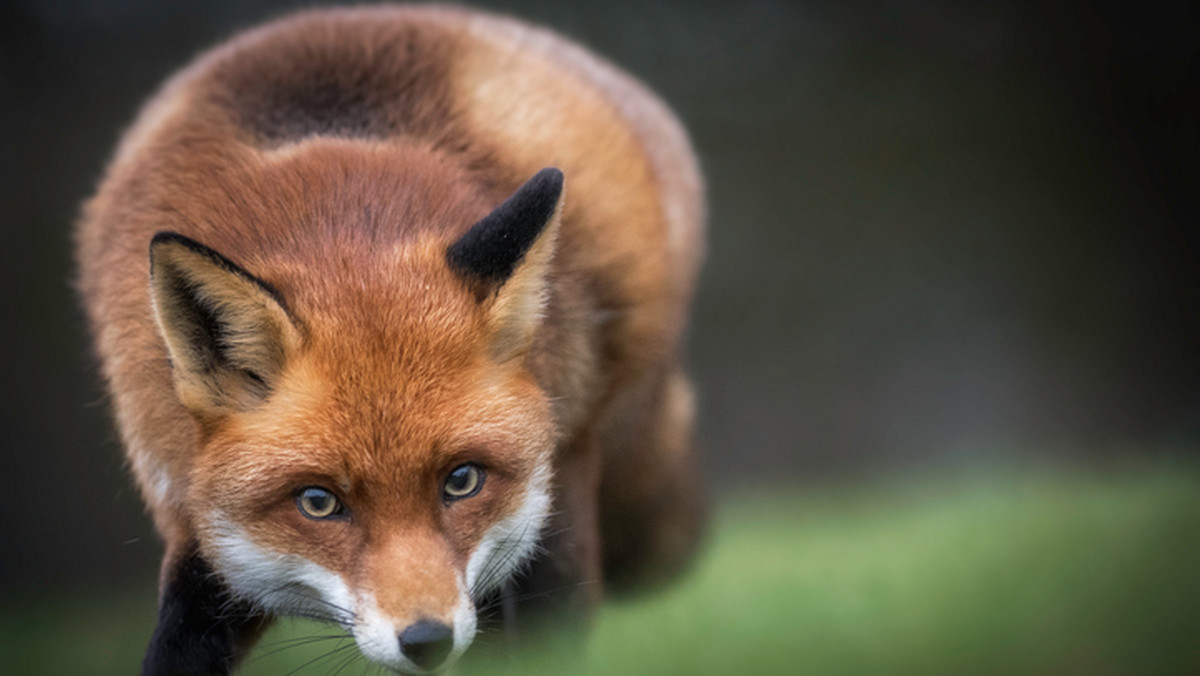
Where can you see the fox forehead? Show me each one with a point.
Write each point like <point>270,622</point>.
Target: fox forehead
<point>357,419</point>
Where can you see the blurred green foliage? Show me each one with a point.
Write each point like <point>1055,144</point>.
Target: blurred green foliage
<point>1003,573</point>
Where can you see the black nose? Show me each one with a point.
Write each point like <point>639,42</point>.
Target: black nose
<point>427,643</point>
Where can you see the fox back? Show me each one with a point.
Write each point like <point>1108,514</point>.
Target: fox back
<point>389,302</point>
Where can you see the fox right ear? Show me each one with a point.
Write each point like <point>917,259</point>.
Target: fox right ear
<point>226,331</point>
<point>506,257</point>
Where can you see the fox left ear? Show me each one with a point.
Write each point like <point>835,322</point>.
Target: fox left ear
<point>226,331</point>
<point>505,259</point>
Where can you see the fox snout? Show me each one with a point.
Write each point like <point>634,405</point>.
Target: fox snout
<point>413,613</point>
<point>407,607</point>
<point>421,646</point>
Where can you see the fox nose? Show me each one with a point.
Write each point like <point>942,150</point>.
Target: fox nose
<point>427,643</point>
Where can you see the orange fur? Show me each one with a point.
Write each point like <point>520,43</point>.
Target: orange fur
<point>381,370</point>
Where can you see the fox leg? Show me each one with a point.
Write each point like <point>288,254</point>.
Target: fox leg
<point>653,498</point>
<point>201,630</point>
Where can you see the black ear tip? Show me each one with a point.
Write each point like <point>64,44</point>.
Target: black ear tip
<point>549,181</point>
<point>551,178</point>
<point>168,237</point>
<point>493,247</point>
<point>165,236</point>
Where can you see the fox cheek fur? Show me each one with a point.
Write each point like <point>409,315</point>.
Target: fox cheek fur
<point>418,283</point>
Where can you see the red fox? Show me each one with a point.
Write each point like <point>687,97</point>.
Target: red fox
<point>390,304</point>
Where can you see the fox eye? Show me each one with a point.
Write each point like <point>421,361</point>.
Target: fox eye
<point>318,503</point>
<point>463,482</point>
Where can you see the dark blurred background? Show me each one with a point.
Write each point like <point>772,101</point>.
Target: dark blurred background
<point>941,236</point>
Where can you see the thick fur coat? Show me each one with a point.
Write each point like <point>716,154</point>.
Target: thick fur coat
<point>329,254</point>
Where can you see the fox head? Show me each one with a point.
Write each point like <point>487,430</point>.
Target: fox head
<point>380,459</point>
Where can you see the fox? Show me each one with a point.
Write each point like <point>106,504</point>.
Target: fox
<point>390,305</point>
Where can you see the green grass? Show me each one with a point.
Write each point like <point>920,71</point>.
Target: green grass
<point>1045,573</point>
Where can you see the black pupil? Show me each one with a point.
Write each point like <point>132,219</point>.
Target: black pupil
<point>318,501</point>
<point>460,480</point>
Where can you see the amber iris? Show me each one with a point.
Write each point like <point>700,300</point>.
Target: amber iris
<point>463,482</point>
<point>318,503</point>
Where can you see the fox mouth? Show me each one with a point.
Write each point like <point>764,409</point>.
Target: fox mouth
<point>423,647</point>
